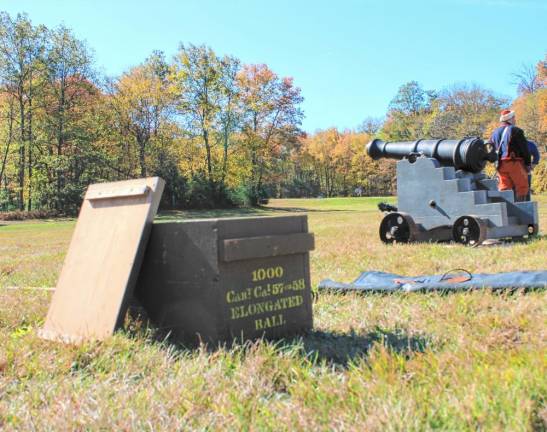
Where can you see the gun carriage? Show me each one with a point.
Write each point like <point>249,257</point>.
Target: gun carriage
<point>443,194</point>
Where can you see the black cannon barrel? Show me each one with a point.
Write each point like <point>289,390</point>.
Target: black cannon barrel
<point>468,154</point>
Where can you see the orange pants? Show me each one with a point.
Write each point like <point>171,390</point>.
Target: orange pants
<point>513,175</point>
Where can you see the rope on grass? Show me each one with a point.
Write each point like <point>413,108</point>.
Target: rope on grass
<point>13,288</point>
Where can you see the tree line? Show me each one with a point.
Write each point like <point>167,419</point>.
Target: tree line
<point>220,132</point>
<point>212,127</point>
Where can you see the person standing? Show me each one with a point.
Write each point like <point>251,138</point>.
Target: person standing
<point>513,155</point>
<point>534,154</point>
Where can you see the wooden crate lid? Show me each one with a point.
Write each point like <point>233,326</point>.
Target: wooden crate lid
<point>103,260</point>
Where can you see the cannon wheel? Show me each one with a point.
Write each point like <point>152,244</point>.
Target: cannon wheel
<point>469,230</point>
<point>398,228</point>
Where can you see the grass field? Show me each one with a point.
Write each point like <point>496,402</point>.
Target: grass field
<point>465,361</point>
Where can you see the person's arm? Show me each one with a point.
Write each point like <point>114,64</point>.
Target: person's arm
<point>534,154</point>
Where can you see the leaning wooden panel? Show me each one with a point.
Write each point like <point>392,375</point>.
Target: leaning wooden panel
<point>103,260</point>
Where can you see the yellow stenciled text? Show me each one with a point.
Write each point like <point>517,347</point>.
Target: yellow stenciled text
<point>247,310</point>
<point>269,322</point>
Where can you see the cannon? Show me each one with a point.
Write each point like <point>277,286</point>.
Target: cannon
<point>443,194</point>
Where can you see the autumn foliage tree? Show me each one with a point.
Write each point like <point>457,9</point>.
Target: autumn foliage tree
<point>270,113</point>
<point>141,101</point>
<point>342,167</point>
<point>531,112</point>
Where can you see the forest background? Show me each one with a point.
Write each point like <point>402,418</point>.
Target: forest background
<point>220,132</point>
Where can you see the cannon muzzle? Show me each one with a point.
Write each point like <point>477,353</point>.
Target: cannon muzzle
<point>468,154</point>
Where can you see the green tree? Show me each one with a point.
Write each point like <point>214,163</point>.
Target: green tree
<point>21,64</point>
<point>66,95</point>
<point>407,112</point>
<point>411,99</point>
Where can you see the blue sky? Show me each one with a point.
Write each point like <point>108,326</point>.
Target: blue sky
<point>349,57</point>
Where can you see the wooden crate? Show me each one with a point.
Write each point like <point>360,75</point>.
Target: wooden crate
<point>233,278</point>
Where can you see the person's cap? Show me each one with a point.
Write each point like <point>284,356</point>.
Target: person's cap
<point>506,115</point>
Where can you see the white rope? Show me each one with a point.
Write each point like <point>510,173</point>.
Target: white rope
<point>29,288</point>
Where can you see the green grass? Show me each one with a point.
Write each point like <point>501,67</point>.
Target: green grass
<point>465,361</point>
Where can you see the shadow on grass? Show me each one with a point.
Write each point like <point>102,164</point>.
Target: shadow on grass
<point>319,347</point>
<point>340,349</point>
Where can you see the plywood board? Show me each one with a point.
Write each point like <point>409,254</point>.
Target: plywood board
<point>103,260</point>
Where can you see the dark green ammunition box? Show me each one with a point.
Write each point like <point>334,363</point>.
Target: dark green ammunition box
<point>217,280</point>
